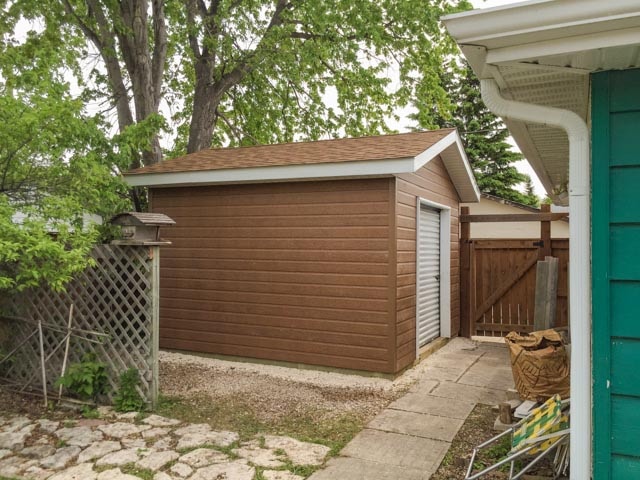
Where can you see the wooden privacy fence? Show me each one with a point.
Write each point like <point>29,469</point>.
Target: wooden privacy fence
<point>498,277</point>
<point>117,296</point>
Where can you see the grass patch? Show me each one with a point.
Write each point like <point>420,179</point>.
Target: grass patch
<point>237,416</point>
<point>132,469</point>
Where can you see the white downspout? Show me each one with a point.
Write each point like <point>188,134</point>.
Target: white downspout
<point>580,260</point>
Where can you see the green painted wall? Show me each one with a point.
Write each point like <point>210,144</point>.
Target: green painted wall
<point>615,163</point>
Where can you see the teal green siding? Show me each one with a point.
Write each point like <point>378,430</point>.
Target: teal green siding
<point>615,257</point>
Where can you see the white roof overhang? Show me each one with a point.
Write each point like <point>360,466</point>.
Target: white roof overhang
<point>449,148</point>
<point>542,52</point>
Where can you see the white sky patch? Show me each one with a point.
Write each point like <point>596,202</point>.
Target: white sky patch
<point>522,166</point>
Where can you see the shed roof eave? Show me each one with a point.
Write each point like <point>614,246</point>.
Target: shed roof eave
<point>449,148</point>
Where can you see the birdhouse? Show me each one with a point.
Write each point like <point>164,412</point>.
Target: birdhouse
<point>141,228</point>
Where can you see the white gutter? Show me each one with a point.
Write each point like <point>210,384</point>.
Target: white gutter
<point>579,266</point>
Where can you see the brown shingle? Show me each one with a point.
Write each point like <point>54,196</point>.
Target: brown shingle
<point>382,147</point>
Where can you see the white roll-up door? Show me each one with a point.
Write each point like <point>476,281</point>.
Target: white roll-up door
<point>428,277</point>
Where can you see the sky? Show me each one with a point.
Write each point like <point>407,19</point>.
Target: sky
<point>522,166</point>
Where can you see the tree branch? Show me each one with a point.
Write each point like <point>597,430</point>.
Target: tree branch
<point>192,10</point>
<point>159,49</point>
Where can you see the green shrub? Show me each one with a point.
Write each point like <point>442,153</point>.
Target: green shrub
<point>87,379</point>
<point>128,399</point>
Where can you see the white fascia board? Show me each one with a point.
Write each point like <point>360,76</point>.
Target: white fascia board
<point>450,148</point>
<point>540,20</point>
<point>433,151</point>
<point>563,46</point>
<point>283,173</point>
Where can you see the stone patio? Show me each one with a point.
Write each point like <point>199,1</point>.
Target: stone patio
<point>164,448</point>
<point>409,439</point>
<point>406,440</point>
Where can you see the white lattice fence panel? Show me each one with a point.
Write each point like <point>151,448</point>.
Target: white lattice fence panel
<point>115,297</point>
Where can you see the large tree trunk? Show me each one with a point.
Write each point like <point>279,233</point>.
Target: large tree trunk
<point>144,60</point>
<point>211,88</point>
<point>205,104</point>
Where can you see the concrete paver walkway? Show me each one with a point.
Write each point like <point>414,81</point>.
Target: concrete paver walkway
<point>409,439</point>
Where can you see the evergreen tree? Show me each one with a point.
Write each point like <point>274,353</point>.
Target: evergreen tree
<point>485,138</point>
<point>529,192</point>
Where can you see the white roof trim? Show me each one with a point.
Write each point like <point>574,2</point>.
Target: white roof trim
<point>541,20</point>
<point>449,148</point>
<point>560,46</point>
<point>271,174</point>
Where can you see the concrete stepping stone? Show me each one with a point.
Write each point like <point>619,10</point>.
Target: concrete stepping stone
<point>119,458</point>
<point>397,450</point>
<point>156,460</point>
<point>227,471</point>
<point>14,439</point>
<point>16,423</point>
<point>162,476</point>
<point>38,451</point>
<point>158,421</point>
<point>443,407</point>
<point>357,469</point>
<point>133,443</point>
<point>116,474</point>
<point>98,450</point>
<point>155,432</point>
<point>122,429</point>
<point>79,436</point>
<point>60,459</point>
<point>203,457</point>
<point>219,438</point>
<point>194,428</point>
<point>300,453</point>
<point>469,393</point>
<point>165,443</point>
<point>181,470</point>
<point>36,473</point>
<point>12,466</point>
<point>261,457</point>
<point>48,426</point>
<point>84,471</point>
<point>417,424</point>
<point>282,475</point>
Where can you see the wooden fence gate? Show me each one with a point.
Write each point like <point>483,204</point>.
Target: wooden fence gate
<point>498,277</point>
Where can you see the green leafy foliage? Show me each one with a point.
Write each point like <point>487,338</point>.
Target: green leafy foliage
<point>87,379</point>
<point>58,163</point>
<point>237,73</point>
<point>127,398</point>
<point>485,139</point>
<point>90,412</point>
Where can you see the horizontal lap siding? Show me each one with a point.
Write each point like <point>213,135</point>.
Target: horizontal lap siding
<point>295,272</point>
<point>431,182</point>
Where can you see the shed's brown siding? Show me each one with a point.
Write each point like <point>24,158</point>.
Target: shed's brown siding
<point>430,182</point>
<point>297,272</point>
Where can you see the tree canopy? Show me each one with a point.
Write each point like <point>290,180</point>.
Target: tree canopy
<point>230,72</point>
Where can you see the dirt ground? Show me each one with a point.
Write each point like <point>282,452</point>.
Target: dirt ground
<point>271,398</point>
<point>328,408</point>
<point>476,429</point>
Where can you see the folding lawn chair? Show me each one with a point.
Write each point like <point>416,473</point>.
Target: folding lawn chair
<point>544,431</point>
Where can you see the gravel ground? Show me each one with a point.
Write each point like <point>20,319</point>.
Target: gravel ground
<point>273,392</point>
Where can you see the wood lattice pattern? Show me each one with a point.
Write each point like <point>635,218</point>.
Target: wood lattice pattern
<point>114,297</point>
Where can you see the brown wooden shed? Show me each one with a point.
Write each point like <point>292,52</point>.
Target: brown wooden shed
<point>313,252</point>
